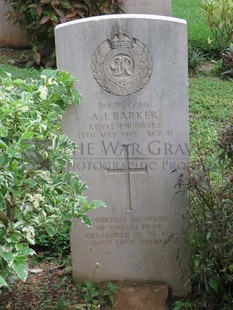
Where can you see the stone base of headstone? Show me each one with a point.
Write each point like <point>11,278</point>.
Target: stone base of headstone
<point>141,297</point>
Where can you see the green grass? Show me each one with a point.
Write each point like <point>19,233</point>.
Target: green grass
<point>198,32</point>
<point>22,73</point>
<point>211,99</point>
<point>211,107</point>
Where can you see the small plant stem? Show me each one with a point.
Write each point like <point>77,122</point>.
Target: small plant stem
<point>96,267</point>
<point>4,219</point>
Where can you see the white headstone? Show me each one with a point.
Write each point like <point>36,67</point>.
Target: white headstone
<point>132,132</point>
<point>157,7</point>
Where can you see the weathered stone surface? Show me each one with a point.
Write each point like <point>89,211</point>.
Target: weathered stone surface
<point>10,35</point>
<point>138,297</point>
<point>132,132</point>
<point>157,7</point>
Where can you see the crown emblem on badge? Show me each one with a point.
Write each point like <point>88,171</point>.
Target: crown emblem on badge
<point>121,65</point>
<point>120,38</point>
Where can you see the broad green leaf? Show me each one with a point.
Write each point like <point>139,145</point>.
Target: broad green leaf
<point>59,12</point>
<point>44,20</point>
<point>51,230</point>
<point>65,4</point>
<point>27,135</point>
<point>20,267</point>
<point>231,267</point>
<point>214,284</point>
<point>19,81</point>
<point>43,92</point>
<point>30,234</point>
<point>2,281</point>
<point>24,250</point>
<point>34,6</point>
<point>54,18</point>
<point>3,145</point>
<point>97,204</point>
<point>86,220</point>
<point>7,256</point>
<point>82,199</point>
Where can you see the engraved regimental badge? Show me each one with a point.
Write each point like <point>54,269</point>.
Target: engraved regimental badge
<point>122,65</point>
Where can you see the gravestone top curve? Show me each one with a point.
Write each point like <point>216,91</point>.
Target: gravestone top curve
<point>121,17</point>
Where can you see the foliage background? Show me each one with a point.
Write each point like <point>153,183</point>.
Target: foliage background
<point>40,17</point>
<point>37,195</point>
<point>198,33</point>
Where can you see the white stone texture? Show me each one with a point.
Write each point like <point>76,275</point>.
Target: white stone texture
<point>133,145</point>
<point>157,7</point>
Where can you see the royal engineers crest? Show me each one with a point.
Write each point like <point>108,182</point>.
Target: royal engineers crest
<point>122,65</point>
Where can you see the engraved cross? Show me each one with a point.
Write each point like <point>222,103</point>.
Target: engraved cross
<point>127,171</point>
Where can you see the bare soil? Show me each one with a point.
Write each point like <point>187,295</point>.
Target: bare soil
<point>49,287</point>
<point>13,56</point>
<point>42,290</point>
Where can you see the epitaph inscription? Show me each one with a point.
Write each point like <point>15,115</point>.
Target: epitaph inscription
<point>125,232</point>
<point>122,65</point>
